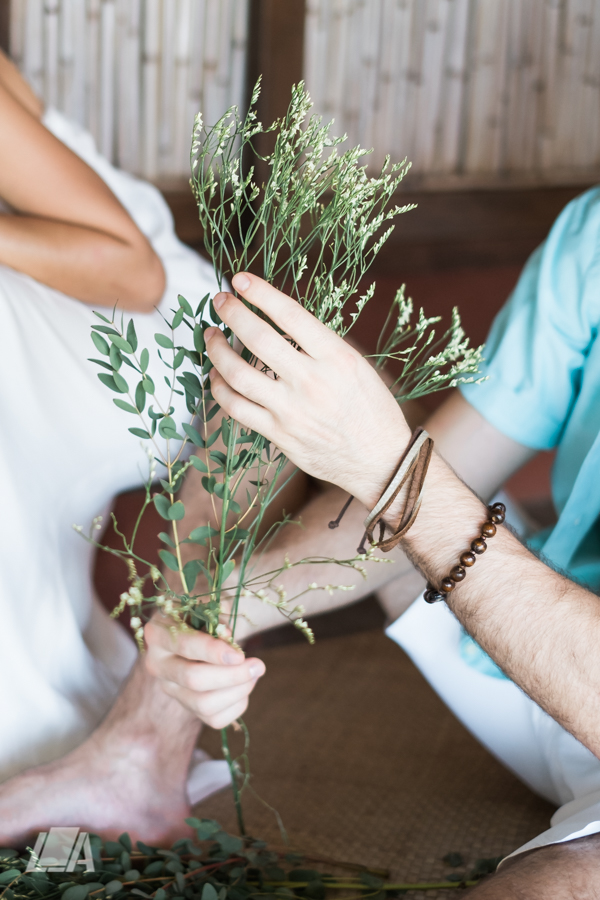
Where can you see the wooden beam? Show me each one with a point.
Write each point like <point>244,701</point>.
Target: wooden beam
<point>275,51</point>
<point>448,230</point>
<point>5,25</point>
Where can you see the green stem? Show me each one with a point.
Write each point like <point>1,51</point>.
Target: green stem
<point>234,785</point>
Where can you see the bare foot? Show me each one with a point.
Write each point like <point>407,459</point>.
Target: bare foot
<point>105,793</point>
<point>129,775</point>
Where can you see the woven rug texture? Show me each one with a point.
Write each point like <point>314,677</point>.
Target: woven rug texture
<point>365,764</point>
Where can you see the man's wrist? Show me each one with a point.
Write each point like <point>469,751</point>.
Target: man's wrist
<point>450,517</point>
<point>380,467</point>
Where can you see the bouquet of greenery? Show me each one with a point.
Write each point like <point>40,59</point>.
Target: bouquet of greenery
<point>312,229</point>
<point>216,866</point>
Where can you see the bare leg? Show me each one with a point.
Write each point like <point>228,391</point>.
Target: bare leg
<point>129,775</point>
<point>569,871</point>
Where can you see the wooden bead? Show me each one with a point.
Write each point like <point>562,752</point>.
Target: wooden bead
<point>432,596</point>
<point>447,585</point>
<point>468,559</point>
<point>488,530</point>
<point>498,511</point>
<point>478,546</point>
<point>457,573</point>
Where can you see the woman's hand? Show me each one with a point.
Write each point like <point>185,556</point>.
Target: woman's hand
<point>327,410</point>
<point>208,676</point>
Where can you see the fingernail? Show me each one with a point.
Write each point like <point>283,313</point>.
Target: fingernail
<point>241,282</point>
<point>232,659</point>
<point>210,332</point>
<point>219,300</point>
<point>257,669</point>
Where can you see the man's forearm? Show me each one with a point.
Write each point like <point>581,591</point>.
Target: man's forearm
<point>314,538</point>
<point>543,629</point>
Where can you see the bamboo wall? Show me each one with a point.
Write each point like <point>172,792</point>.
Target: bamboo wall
<point>135,72</point>
<point>474,92</point>
<point>469,90</point>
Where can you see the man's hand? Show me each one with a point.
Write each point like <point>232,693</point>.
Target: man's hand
<point>325,395</point>
<point>206,675</point>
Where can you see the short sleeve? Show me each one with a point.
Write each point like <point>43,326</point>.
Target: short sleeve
<point>538,343</point>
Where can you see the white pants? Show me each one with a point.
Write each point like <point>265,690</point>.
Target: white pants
<point>510,725</point>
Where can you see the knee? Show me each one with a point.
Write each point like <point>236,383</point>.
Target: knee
<point>568,871</point>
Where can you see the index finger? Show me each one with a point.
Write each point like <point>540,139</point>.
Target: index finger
<point>195,645</point>
<point>316,339</point>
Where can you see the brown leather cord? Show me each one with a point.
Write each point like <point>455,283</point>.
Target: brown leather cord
<point>412,469</point>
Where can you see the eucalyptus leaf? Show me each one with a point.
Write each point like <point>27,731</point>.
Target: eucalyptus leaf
<point>100,316</point>
<point>100,343</point>
<point>144,359</point>
<point>191,570</point>
<point>140,397</point>
<point>100,362</point>
<point>185,306</point>
<point>201,534</point>
<point>227,569</point>
<point>193,435</point>
<point>162,505</point>
<point>198,464</point>
<point>176,511</point>
<point>121,383</point>
<point>121,343</point>
<point>109,381</point>
<point>141,433</point>
<point>163,341</point>
<point>208,483</point>
<point>169,560</point>
<point>210,440</point>
<point>77,892</point>
<point>225,431</point>
<point>127,407</point>
<point>199,342</point>
<point>105,330</point>
<point>214,315</point>
<point>202,304</point>
<point>132,336</point>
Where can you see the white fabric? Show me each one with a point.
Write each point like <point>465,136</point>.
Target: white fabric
<point>207,776</point>
<point>65,452</point>
<point>510,725</point>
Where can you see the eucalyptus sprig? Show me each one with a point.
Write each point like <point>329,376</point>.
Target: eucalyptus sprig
<point>313,229</point>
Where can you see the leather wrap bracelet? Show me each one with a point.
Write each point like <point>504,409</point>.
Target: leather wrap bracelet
<point>497,514</point>
<point>411,470</point>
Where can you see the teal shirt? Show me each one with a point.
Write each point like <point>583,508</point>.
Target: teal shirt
<point>543,387</point>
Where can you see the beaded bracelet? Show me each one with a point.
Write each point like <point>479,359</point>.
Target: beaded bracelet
<point>497,514</point>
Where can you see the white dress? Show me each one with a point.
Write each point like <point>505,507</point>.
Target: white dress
<point>65,452</point>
